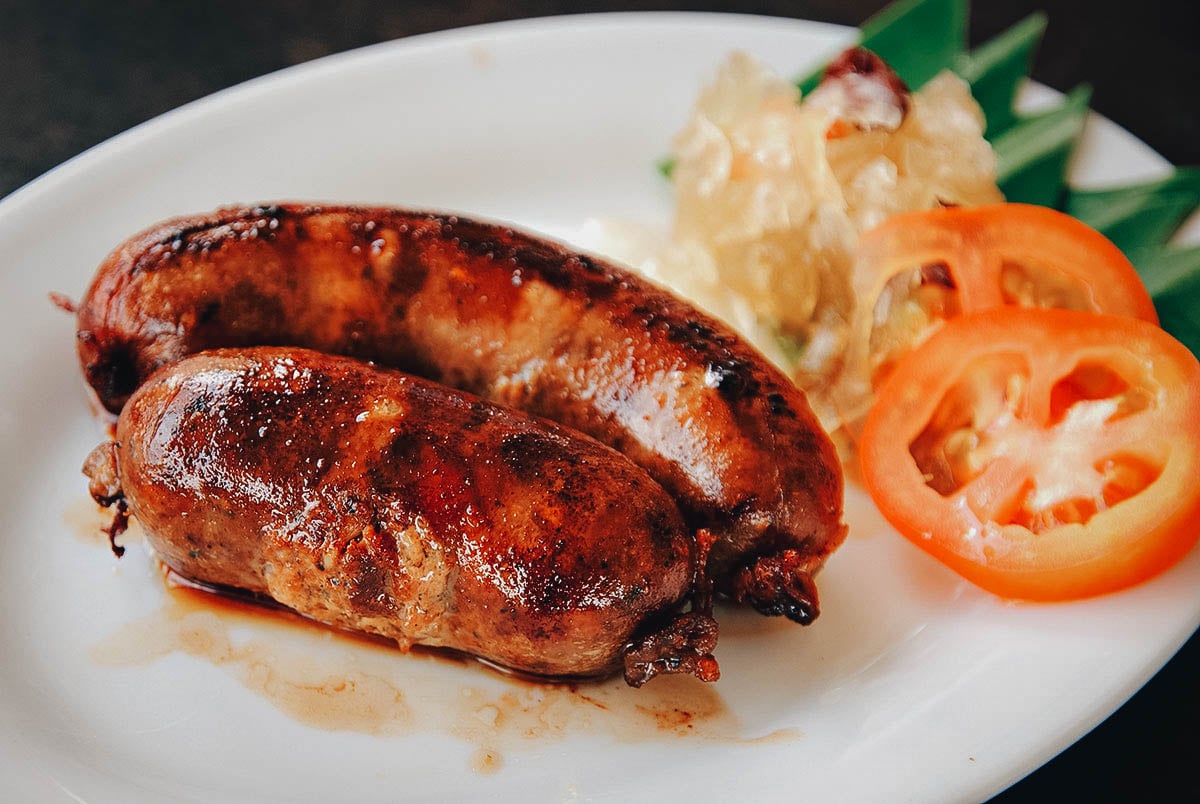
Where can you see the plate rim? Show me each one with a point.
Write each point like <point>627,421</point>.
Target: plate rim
<point>26,197</point>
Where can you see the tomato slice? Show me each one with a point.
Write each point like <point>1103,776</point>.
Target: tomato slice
<point>1042,454</point>
<point>918,269</point>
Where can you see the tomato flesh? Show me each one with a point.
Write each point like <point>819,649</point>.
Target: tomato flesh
<point>918,270</point>
<point>1043,454</point>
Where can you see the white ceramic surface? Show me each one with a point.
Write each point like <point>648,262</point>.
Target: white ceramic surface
<point>912,686</point>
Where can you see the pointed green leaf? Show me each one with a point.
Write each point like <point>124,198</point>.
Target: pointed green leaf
<point>918,38</point>
<point>1173,278</point>
<point>1032,157</point>
<point>996,69</point>
<point>1140,217</point>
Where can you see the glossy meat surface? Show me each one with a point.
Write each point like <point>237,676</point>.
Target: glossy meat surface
<point>513,318</point>
<point>374,501</point>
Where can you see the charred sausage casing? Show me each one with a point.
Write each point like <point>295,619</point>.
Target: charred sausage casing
<point>377,502</point>
<point>510,317</point>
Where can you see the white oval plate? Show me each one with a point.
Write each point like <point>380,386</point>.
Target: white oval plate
<point>911,686</point>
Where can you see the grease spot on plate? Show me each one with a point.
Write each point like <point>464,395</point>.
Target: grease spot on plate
<point>343,682</point>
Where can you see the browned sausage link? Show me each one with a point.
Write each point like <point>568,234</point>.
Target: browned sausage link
<point>374,501</point>
<point>511,317</point>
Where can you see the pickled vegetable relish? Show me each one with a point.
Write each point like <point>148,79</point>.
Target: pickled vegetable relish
<point>772,192</point>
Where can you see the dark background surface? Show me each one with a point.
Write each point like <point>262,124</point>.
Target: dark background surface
<point>74,74</point>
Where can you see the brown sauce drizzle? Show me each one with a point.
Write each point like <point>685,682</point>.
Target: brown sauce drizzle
<point>89,523</point>
<point>339,681</point>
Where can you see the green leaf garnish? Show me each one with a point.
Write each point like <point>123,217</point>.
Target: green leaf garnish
<point>918,38</point>
<point>1033,155</point>
<point>996,70</point>
<point>1172,276</point>
<point>943,27</point>
<point>1140,217</point>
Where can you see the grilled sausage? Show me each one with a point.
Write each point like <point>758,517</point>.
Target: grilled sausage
<point>510,317</point>
<point>374,501</point>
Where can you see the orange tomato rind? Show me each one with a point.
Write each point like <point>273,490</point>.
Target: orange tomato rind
<point>989,489</point>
